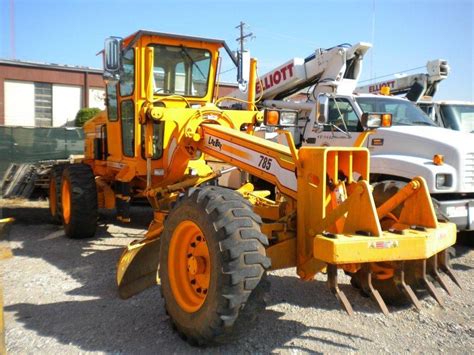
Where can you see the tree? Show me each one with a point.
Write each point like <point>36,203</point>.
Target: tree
<point>85,114</point>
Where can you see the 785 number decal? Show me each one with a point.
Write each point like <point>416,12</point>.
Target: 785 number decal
<point>265,162</point>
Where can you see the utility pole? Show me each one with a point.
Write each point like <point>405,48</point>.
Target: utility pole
<point>243,36</point>
<point>241,57</point>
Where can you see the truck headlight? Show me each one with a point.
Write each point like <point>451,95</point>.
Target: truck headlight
<point>444,181</point>
<point>288,118</point>
<point>371,120</point>
<point>280,118</point>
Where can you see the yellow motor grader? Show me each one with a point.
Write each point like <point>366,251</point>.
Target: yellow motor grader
<point>209,246</point>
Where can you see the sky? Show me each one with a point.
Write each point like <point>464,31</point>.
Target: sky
<point>405,34</point>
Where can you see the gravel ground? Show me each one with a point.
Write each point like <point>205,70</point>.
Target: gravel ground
<point>60,297</point>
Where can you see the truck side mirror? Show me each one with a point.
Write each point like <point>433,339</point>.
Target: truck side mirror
<point>112,59</point>
<point>322,109</point>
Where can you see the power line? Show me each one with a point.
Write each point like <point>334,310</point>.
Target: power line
<point>228,70</point>
<point>388,75</point>
<point>276,35</point>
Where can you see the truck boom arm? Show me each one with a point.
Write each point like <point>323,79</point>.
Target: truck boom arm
<point>414,86</point>
<point>333,70</point>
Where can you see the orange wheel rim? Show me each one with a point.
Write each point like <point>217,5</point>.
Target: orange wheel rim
<point>189,266</point>
<point>52,197</point>
<point>66,201</point>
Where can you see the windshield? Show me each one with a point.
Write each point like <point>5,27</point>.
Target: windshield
<point>181,70</point>
<point>404,113</point>
<point>462,117</point>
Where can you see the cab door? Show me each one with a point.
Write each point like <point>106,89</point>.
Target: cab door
<point>121,113</point>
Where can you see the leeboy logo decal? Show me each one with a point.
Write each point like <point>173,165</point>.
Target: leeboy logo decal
<point>215,143</point>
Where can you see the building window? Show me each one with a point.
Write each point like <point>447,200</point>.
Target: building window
<point>43,105</point>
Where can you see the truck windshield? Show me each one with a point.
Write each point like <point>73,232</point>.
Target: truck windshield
<point>180,70</point>
<point>404,113</point>
<point>459,117</point>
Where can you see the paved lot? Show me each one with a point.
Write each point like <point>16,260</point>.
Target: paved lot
<point>60,297</point>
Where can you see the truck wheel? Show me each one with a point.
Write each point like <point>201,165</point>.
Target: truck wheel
<point>386,189</point>
<point>79,201</point>
<point>212,262</point>
<point>55,176</point>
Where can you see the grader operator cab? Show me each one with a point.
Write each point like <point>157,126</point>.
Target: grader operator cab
<point>208,246</point>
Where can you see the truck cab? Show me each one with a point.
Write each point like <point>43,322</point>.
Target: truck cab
<point>456,115</point>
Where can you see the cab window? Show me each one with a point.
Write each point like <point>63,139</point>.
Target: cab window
<point>128,74</point>
<point>181,70</point>
<point>112,102</point>
<point>342,115</point>
<point>127,116</point>
<point>404,112</point>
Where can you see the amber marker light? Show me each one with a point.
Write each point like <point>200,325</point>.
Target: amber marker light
<point>272,117</point>
<point>385,90</point>
<point>387,120</point>
<point>438,159</point>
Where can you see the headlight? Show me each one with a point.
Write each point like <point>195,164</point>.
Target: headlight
<point>280,118</point>
<point>288,118</point>
<point>444,181</point>
<point>372,120</point>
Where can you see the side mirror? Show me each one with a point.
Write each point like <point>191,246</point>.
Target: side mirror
<point>243,71</point>
<point>322,109</point>
<point>112,59</point>
<point>376,120</point>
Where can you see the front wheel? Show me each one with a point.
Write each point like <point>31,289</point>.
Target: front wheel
<point>79,201</point>
<point>211,264</point>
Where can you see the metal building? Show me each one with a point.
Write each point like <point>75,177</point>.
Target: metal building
<point>47,95</point>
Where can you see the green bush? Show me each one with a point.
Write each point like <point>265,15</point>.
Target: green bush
<point>85,114</point>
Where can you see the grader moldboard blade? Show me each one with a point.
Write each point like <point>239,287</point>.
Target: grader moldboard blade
<point>138,266</point>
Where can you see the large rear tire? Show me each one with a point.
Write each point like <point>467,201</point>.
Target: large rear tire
<point>55,176</point>
<point>79,201</point>
<point>212,262</point>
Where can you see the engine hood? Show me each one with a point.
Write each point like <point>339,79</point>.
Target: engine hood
<point>422,142</point>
